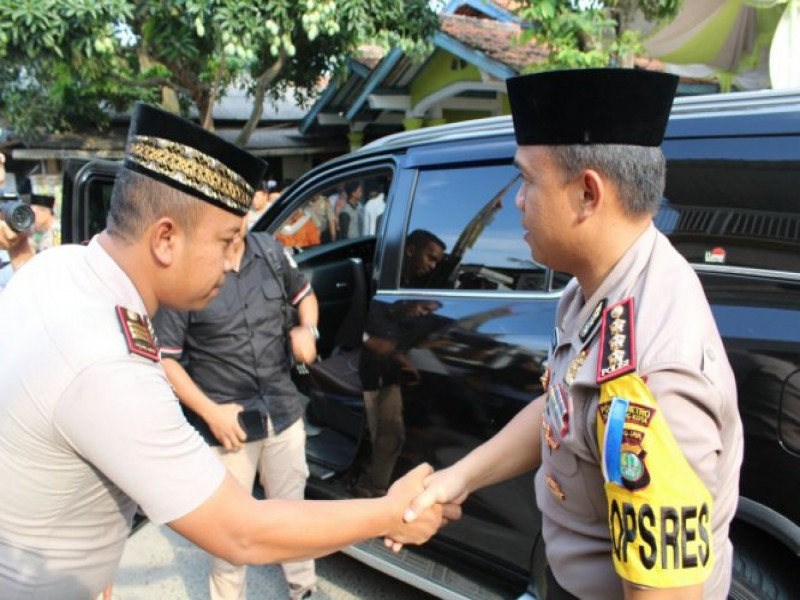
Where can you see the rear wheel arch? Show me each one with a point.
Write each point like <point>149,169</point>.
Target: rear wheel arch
<point>766,547</point>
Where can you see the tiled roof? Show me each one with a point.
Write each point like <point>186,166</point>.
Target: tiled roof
<point>494,39</point>
<point>507,5</point>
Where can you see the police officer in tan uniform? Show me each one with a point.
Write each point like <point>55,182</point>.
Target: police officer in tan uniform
<point>89,425</point>
<point>637,436</point>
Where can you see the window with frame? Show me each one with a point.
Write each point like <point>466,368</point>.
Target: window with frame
<point>734,202</point>
<point>349,209</point>
<point>464,232</point>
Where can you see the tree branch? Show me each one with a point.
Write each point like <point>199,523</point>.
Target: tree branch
<point>208,120</point>
<point>262,83</point>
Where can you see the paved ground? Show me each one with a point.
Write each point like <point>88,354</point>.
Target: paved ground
<point>158,564</point>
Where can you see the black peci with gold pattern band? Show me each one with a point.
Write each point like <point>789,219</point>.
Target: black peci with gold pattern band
<point>191,159</point>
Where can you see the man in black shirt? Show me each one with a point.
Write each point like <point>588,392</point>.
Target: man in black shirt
<point>229,364</point>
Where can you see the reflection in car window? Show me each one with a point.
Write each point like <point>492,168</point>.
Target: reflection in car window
<point>351,208</point>
<point>465,233</point>
<point>739,208</point>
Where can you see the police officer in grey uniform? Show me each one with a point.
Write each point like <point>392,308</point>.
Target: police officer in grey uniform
<point>89,425</point>
<point>637,436</point>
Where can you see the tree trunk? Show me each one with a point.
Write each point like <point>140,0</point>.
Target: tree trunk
<point>205,108</point>
<point>260,91</point>
<point>208,119</point>
<point>169,99</point>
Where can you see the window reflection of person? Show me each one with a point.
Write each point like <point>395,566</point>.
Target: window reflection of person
<point>351,214</point>
<point>299,231</point>
<point>423,253</point>
<point>323,218</point>
<point>384,368</point>
<point>261,202</point>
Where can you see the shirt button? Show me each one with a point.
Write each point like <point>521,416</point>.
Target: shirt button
<point>710,353</point>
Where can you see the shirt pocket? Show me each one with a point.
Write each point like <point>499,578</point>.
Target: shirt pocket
<point>271,303</point>
<point>272,290</point>
<point>212,324</point>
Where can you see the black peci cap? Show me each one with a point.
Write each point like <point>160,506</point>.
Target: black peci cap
<point>42,200</point>
<point>191,159</point>
<point>591,106</point>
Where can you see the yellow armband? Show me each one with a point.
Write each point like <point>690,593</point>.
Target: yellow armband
<point>659,511</point>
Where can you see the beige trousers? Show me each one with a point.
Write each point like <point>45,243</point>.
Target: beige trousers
<point>280,461</point>
<point>388,432</point>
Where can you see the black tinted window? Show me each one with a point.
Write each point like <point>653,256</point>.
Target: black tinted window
<point>471,211</point>
<point>734,201</point>
<point>99,201</point>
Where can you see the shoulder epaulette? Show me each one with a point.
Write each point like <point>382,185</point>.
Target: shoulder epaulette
<point>139,333</point>
<point>617,355</point>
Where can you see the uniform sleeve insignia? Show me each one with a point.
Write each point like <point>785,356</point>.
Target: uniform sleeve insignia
<point>139,333</point>
<point>289,258</point>
<point>617,354</point>
<point>659,509</point>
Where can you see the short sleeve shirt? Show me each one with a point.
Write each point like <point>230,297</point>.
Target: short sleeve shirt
<point>690,386</point>
<point>236,348</point>
<point>88,429</point>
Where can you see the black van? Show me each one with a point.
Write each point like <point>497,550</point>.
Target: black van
<point>454,353</point>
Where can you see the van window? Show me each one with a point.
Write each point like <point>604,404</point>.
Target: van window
<point>98,202</point>
<point>734,202</point>
<point>464,233</point>
<point>351,208</point>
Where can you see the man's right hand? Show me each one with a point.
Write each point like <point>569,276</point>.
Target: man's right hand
<point>445,488</point>
<point>427,522</point>
<point>10,239</point>
<point>223,420</point>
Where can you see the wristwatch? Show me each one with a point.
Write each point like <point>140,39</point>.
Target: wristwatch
<point>314,331</point>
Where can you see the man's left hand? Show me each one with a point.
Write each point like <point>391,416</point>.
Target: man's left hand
<point>304,344</point>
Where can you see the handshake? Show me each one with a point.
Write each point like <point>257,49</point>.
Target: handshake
<point>423,501</point>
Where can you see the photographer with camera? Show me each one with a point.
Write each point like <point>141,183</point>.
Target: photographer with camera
<point>14,239</point>
<point>16,224</point>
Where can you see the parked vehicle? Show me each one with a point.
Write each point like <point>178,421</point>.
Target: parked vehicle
<point>449,355</point>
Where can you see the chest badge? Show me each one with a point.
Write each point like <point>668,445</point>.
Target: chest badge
<point>139,333</point>
<point>591,323</point>
<point>575,366</point>
<point>545,378</point>
<point>557,410</point>
<point>549,438</point>
<point>555,488</point>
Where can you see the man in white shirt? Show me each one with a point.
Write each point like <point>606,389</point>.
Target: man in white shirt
<point>89,425</point>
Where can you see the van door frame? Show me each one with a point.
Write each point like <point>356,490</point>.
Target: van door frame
<point>77,186</point>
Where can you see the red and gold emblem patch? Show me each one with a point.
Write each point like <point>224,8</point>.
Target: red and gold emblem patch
<point>139,334</point>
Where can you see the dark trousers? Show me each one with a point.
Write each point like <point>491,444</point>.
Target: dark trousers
<point>555,591</point>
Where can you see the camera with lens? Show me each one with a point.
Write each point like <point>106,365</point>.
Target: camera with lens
<point>17,214</point>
